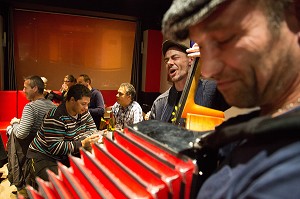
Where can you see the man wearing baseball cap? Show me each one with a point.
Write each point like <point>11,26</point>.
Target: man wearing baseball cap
<point>178,65</point>
<point>252,50</point>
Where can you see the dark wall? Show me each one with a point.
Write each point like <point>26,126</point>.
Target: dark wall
<point>150,12</point>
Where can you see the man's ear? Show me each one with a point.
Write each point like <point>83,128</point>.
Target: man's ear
<point>35,88</point>
<point>191,60</point>
<point>72,99</point>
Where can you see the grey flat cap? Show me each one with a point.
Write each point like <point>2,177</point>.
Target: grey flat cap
<point>184,13</point>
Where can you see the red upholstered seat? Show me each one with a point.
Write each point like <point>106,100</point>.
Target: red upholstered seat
<point>8,110</point>
<point>3,126</point>
<point>8,105</point>
<point>109,96</point>
<point>12,104</point>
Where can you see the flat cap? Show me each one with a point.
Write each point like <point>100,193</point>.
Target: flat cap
<point>184,13</point>
<point>169,43</point>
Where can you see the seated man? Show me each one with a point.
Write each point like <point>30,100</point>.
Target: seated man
<point>22,131</point>
<point>64,130</point>
<point>178,65</point>
<point>96,106</point>
<point>126,111</point>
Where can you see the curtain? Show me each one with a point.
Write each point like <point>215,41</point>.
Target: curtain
<point>9,71</point>
<point>136,72</point>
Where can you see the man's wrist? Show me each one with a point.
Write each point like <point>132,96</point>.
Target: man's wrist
<point>83,143</point>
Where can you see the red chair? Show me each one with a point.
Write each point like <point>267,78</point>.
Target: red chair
<point>8,110</point>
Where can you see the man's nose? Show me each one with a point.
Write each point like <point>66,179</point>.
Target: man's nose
<point>86,106</point>
<point>211,59</point>
<point>170,62</point>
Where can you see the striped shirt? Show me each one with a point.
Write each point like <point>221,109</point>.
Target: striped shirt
<point>130,115</point>
<point>32,117</point>
<point>61,134</point>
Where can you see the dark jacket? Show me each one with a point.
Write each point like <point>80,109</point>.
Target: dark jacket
<point>18,170</point>
<point>206,95</point>
<point>96,106</point>
<point>263,161</point>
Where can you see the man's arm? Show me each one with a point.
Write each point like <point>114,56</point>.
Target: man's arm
<point>63,141</point>
<point>137,115</point>
<point>97,103</point>
<point>22,129</point>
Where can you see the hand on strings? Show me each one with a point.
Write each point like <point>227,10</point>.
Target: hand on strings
<point>194,51</point>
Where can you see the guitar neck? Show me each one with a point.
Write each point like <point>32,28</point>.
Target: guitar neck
<point>193,76</point>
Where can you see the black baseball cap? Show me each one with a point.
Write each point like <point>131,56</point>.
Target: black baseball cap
<point>170,43</point>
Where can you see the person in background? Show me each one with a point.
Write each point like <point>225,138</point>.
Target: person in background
<point>252,50</point>
<point>69,80</point>
<point>22,131</point>
<point>46,92</point>
<point>57,98</point>
<point>126,111</point>
<point>96,106</point>
<point>64,130</point>
<point>178,65</point>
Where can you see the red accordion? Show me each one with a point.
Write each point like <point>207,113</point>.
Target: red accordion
<point>131,165</point>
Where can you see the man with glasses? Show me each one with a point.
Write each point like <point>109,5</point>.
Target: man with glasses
<point>126,111</point>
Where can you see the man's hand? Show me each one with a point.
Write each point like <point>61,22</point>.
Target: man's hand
<point>194,51</point>
<point>147,115</point>
<point>86,143</point>
<point>64,87</point>
<point>14,120</point>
